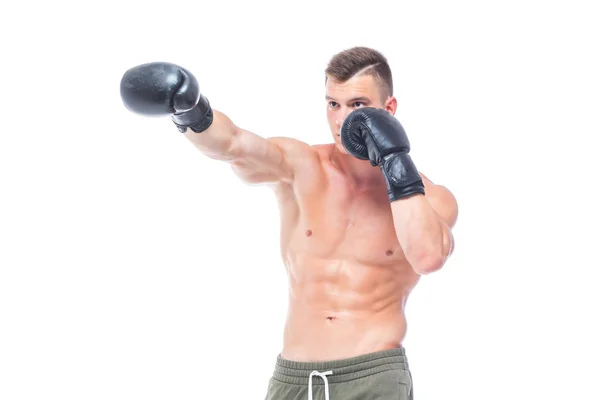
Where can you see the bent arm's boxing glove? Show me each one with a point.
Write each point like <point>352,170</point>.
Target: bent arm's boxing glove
<point>374,134</point>
<point>159,88</point>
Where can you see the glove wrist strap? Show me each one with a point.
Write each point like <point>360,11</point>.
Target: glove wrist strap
<point>401,176</point>
<point>198,119</point>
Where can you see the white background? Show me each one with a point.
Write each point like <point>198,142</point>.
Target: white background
<point>133,267</point>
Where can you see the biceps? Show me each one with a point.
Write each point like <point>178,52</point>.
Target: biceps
<point>441,200</point>
<point>444,204</point>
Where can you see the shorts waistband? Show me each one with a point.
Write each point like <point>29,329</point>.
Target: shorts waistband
<point>296,372</point>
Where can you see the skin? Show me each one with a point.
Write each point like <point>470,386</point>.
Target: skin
<point>352,257</point>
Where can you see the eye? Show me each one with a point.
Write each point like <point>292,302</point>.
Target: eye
<point>333,104</point>
<point>358,104</point>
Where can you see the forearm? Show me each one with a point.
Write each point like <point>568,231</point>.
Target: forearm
<point>425,238</point>
<point>254,159</point>
<point>217,141</point>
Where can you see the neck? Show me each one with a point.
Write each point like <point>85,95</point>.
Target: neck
<point>360,172</point>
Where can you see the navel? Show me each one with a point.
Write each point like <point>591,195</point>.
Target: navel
<point>389,253</point>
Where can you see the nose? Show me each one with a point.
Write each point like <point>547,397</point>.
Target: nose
<point>342,117</point>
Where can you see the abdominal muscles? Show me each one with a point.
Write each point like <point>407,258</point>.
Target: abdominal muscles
<point>340,308</point>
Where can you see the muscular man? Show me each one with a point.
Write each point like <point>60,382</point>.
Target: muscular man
<point>360,223</point>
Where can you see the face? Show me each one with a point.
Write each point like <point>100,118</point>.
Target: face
<point>343,98</point>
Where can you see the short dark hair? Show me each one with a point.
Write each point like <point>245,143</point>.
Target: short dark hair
<point>361,60</point>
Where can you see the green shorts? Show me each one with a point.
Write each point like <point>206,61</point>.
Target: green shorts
<point>381,375</point>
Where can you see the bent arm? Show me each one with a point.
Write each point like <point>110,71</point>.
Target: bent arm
<point>424,227</point>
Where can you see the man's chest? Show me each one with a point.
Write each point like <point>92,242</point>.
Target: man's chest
<point>343,222</point>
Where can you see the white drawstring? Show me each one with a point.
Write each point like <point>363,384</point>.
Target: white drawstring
<point>323,375</point>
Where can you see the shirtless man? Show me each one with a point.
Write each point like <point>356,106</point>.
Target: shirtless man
<point>359,223</point>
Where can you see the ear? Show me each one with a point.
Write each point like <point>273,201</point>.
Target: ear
<point>390,105</point>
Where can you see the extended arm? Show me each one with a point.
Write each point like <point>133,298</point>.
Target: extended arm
<point>254,159</point>
<point>168,89</point>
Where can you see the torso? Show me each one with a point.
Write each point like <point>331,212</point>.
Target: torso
<point>348,277</point>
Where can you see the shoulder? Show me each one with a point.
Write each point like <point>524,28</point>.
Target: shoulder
<point>305,161</point>
<point>293,148</point>
<point>442,200</point>
<point>298,153</point>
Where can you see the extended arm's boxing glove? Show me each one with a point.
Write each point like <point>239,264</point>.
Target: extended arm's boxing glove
<point>159,88</point>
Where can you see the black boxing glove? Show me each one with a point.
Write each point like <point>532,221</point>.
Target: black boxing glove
<point>160,88</point>
<point>374,134</point>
